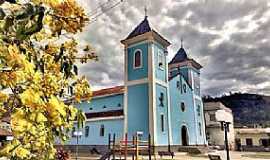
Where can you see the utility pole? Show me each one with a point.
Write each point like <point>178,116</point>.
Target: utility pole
<point>77,134</point>
<point>225,127</point>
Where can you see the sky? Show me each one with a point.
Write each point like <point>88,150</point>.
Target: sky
<point>230,38</point>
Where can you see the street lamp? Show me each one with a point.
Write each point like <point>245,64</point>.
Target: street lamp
<point>77,134</point>
<point>225,128</point>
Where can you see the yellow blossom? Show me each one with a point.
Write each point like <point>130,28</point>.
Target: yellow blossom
<point>31,98</point>
<point>3,97</point>
<point>22,152</point>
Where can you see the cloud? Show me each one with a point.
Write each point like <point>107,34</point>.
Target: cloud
<point>230,38</point>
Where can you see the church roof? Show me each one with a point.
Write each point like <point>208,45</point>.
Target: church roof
<point>103,92</point>
<point>109,91</point>
<point>180,56</point>
<point>142,28</point>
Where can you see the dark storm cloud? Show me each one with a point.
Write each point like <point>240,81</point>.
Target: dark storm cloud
<point>230,38</point>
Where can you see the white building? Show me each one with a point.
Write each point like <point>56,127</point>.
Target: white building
<point>252,139</point>
<point>215,112</point>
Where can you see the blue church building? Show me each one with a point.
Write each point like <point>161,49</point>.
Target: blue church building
<point>158,97</point>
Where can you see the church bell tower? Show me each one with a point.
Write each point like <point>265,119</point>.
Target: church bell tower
<point>146,84</point>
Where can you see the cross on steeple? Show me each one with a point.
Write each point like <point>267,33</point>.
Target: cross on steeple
<point>182,42</point>
<point>145,10</point>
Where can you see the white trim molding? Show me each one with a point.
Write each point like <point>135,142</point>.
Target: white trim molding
<point>134,59</point>
<point>104,118</point>
<point>161,59</point>
<point>125,129</point>
<point>138,81</point>
<point>162,83</point>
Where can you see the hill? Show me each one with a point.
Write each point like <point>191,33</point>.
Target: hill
<point>248,109</point>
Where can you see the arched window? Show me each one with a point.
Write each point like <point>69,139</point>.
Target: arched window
<point>199,110</point>
<point>137,59</point>
<point>161,60</point>
<point>200,128</point>
<point>161,99</point>
<point>185,88</point>
<point>183,107</point>
<point>86,131</point>
<point>102,131</point>
<point>162,122</point>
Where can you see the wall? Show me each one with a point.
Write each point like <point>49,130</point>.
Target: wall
<point>160,73</point>
<point>199,113</point>
<point>255,138</point>
<point>179,118</point>
<point>113,126</point>
<point>97,104</point>
<point>137,110</point>
<point>162,137</point>
<point>139,73</point>
<point>213,128</point>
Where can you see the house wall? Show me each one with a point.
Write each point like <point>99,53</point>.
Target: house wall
<point>255,138</point>
<point>213,128</point>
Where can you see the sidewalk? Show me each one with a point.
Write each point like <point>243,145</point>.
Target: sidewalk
<point>185,156</point>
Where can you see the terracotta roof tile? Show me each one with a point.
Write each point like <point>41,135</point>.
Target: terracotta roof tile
<point>4,132</point>
<point>108,91</point>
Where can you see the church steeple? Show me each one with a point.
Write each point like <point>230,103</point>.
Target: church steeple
<point>143,31</point>
<point>142,28</point>
<point>180,56</point>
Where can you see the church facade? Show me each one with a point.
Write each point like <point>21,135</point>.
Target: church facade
<point>158,97</point>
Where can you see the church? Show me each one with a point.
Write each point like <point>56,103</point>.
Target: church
<point>159,97</point>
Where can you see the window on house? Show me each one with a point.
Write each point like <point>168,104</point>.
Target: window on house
<point>199,110</point>
<point>162,123</point>
<point>212,117</point>
<point>138,59</point>
<point>183,107</point>
<point>86,131</point>
<point>185,88</point>
<point>265,142</point>
<point>178,84</point>
<point>249,142</point>
<point>102,131</point>
<point>161,99</point>
<point>161,60</point>
<point>200,128</point>
<point>119,105</point>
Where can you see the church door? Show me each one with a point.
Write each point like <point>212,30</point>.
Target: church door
<point>184,135</point>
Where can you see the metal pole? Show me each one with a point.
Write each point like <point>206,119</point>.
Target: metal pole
<point>226,139</point>
<point>109,145</point>
<point>149,146</point>
<point>114,146</point>
<point>77,147</point>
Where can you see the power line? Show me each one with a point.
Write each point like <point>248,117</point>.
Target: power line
<point>103,8</point>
